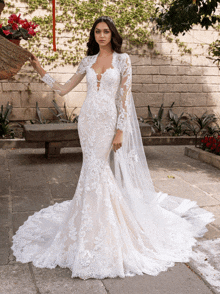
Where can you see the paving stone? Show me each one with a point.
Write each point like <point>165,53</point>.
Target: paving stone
<point>19,218</point>
<point>2,160</point>
<point>34,199</point>
<point>4,245</point>
<point>161,158</point>
<point>63,190</point>
<point>216,211</point>
<point>4,231</point>
<point>4,170</point>
<point>177,187</point>
<point>211,188</point>
<point>22,178</point>
<point>216,196</point>
<point>197,176</point>
<point>4,259</point>
<point>4,185</point>
<point>213,233</point>
<point>158,175</point>
<point>178,279</point>
<point>57,281</point>
<point>4,210</point>
<point>16,279</point>
<point>60,173</point>
<point>22,157</point>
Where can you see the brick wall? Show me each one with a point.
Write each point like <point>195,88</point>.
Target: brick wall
<point>189,80</point>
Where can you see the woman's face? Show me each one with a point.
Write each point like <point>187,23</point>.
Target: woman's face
<point>103,34</point>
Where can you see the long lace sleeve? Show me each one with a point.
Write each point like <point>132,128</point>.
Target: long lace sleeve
<point>70,84</point>
<point>124,92</point>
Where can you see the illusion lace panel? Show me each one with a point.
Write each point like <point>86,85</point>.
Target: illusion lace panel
<point>124,92</point>
<point>71,83</point>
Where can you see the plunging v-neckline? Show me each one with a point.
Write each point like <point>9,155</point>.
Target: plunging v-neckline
<point>101,74</point>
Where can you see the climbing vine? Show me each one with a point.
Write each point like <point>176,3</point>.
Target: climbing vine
<point>74,20</point>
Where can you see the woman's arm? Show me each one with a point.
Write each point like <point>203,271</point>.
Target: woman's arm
<point>59,88</point>
<point>37,66</point>
<point>123,101</point>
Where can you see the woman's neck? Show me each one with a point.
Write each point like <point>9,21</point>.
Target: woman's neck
<point>104,52</point>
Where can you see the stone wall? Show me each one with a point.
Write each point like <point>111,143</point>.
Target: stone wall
<point>189,80</point>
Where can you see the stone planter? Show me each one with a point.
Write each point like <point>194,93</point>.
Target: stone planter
<point>203,156</point>
<point>168,140</point>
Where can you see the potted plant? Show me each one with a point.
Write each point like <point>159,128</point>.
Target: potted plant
<point>17,29</point>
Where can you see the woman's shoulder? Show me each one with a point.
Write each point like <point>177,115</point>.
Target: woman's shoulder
<point>124,58</point>
<point>85,62</point>
<point>87,58</point>
<point>123,55</point>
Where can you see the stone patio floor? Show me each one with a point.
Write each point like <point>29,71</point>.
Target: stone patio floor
<point>29,182</point>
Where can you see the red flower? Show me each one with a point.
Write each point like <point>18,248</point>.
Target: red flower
<point>21,21</point>
<point>31,32</point>
<point>7,32</point>
<point>14,26</point>
<point>213,147</point>
<point>14,18</point>
<point>26,25</point>
<point>15,23</point>
<point>34,26</point>
<point>18,18</point>
<point>208,145</point>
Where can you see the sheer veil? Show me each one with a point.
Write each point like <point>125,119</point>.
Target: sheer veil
<point>130,164</point>
<point>130,168</point>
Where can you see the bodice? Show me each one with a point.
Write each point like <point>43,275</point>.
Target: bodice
<point>108,85</point>
<point>111,91</point>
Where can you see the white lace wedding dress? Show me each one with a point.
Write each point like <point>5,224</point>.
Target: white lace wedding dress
<point>116,224</point>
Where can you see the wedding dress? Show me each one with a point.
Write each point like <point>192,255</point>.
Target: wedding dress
<point>116,224</point>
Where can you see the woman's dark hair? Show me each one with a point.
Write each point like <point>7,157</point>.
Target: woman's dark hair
<point>116,41</point>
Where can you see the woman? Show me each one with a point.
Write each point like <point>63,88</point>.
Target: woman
<point>116,224</point>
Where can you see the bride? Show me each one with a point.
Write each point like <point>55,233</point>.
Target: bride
<point>116,224</point>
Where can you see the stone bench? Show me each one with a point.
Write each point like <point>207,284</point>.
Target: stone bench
<point>56,136</point>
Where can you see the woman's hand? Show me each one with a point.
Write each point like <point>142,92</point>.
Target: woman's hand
<point>117,142</point>
<point>35,62</point>
<point>37,66</point>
